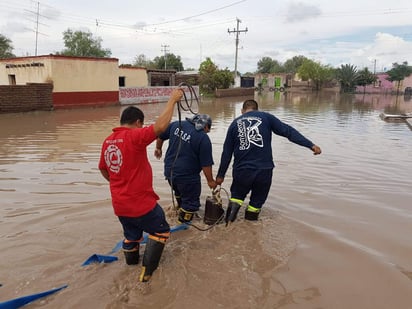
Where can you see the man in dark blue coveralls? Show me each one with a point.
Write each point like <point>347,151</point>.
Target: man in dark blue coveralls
<point>189,152</point>
<point>249,140</point>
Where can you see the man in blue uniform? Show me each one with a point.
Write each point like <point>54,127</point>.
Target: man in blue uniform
<point>249,139</point>
<point>189,152</point>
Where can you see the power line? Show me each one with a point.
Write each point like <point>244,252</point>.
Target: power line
<point>37,27</point>
<point>237,31</point>
<point>200,14</point>
<point>165,50</point>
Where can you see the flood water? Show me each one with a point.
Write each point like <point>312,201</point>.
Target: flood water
<point>335,231</point>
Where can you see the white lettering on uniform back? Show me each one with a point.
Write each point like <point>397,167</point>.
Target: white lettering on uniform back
<point>114,159</point>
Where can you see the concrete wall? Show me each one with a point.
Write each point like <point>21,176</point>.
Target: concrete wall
<point>84,74</point>
<point>24,98</point>
<point>138,95</point>
<point>407,82</point>
<point>381,86</point>
<point>134,76</point>
<point>234,92</point>
<point>270,79</point>
<point>66,73</point>
<point>77,81</point>
<point>25,70</point>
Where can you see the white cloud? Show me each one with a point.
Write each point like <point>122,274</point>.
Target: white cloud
<point>298,12</point>
<point>328,31</point>
<point>386,49</point>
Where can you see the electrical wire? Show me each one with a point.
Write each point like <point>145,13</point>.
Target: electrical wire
<point>187,104</point>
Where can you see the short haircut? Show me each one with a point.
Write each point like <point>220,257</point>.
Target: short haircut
<point>250,104</point>
<point>130,115</point>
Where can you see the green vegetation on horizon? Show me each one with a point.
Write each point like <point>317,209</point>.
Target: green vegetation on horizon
<point>84,44</point>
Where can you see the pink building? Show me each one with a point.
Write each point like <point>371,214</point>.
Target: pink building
<point>382,85</point>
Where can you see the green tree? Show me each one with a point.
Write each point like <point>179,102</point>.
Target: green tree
<point>398,73</point>
<point>316,72</point>
<point>365,77</point>
<point>6,47</point>
<point>224,78</point>
<point>269,65</point>
<point>211,78</point>
<point>142,61</point>
<point>172,62</point>
<point>206,71</point>
<point>82,44</point>
<point>347,75</point>
<point>292,65</point>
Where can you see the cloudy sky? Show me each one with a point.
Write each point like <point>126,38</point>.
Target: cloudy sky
<point>364,33</point>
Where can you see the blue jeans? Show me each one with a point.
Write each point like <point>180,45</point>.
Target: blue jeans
<point>153,222</point>
<point>258,182</point>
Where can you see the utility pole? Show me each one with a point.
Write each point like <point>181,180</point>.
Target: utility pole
<point>165,50</point>
<point>237,31</point>
<point>37,26</point>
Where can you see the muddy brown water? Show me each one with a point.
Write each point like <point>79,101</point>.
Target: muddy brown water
<point>335,231</point>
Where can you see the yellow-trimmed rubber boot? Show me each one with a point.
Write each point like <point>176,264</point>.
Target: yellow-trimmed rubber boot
<point>231,212</point>
<point>132,256</point>
<point>185,216</point>
<point>151,258</point>
<point>252,213</point>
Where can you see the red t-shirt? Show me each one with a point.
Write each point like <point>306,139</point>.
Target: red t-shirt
<point>124,156</point>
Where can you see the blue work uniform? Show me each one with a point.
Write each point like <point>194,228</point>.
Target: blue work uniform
<point>189,150</point>
<point>249,140</point>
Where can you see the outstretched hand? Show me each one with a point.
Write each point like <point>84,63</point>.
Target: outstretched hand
<point>316,150</point>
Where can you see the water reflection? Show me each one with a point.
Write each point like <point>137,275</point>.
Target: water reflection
<point>57,151</point>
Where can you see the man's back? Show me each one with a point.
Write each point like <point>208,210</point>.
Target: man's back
<point>124,156</point>
<point>188,151</point>
<point>249,139</point>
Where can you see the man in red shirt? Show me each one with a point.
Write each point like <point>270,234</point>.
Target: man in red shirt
<point>124,163</point>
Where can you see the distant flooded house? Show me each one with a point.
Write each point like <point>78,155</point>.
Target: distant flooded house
<point>157,88</point>
<point>273,81</point>
<point>77,81</point>
<point>55,81</point>
<point>381,86</point>
<point>130,76</point>
<point>406,85</point>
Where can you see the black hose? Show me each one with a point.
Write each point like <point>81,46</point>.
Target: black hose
<point>186,105</point>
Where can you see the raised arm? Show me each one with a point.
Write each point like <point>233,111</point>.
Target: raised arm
<point>164,119</point>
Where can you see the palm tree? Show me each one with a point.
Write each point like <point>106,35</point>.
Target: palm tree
<point>347,75</point>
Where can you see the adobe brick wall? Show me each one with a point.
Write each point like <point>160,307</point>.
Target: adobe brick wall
<point>25,98</point>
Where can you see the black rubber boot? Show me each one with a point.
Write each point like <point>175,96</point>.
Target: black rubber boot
<point>251,215</point>
<point>151,258</point>
<point>184,216</point>
<point>231,212</point>
<point>132,256</point>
